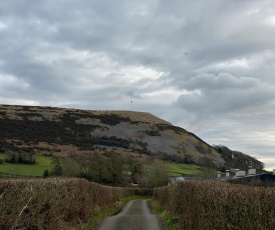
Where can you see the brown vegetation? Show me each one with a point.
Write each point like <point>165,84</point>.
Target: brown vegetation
<point>55,203</point>
<point>25,128</point>
<point>210,205</point>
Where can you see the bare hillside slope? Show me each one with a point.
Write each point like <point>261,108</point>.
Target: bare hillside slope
<point>59,130</point>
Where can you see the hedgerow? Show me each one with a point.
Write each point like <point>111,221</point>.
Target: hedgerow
<point>55,203</point>
<point>216,205</point>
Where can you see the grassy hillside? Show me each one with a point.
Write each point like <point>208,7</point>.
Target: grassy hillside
<point>179,169</point>
<point>61,131</point>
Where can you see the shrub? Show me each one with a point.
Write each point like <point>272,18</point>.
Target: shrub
<point>55,203</point>
<point>153,175</point>
<point>19,157</point>
<point>217,205</point>
<point>46,173</point>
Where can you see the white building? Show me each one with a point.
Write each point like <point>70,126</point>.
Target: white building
<point>240,174</point>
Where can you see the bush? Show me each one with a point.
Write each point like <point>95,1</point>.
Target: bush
<point>55,203</point>
<point>19,157</point>
<point>46,173</point>
<point>217,205</point>
<point>153,175</point>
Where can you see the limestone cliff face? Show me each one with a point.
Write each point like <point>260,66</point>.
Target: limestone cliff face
<point>126,131</point>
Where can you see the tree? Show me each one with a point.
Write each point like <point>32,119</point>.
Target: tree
<point>135,168</point>
<point>115,167</point>
<point>71,168</point>
<point>104,169</point>
<point>154,175</point>
<point>208,172</point>
<point>97,168</point>
<point>46,173</point>
<point>57,168</point>
<point>28,158</point>
<point>10,157</point>
<point>20,159</point>
<point>13,158</point>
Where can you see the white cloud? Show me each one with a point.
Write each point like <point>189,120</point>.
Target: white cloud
<point>3,25</point>
<point>16,101</point>
<point>235,63</point>
<point>11,82</point>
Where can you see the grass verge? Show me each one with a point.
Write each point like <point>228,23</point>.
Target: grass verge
<point>170,221</point>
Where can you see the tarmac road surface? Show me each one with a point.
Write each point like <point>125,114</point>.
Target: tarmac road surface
<point>135,215</point>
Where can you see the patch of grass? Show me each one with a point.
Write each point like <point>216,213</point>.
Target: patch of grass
<point>179,169</point>
<point>43,160</point>
<point>102,213</point>
<point>42,163</point>
<point>170,221</point>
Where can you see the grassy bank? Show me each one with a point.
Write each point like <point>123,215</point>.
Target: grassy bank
<point>170,221</point>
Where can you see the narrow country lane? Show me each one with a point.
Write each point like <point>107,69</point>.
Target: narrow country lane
<point>134,216</point>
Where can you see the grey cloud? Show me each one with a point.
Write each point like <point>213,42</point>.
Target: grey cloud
<point>225,93</point>
<point>220,82</point>
<point>132,94</point>
<point>87,54</point>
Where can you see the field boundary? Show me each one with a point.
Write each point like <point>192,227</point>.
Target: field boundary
<point>218,205</point>
<point>56,203</point>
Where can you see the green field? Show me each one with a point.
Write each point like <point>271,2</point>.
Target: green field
<point>42,163</point>
<point>178,169</point>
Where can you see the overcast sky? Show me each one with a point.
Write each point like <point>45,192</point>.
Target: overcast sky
<point>206,65</point>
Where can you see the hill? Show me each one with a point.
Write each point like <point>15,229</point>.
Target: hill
<point>238,160</point>
<point>60,131</point>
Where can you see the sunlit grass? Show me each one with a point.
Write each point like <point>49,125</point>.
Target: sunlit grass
<point>42,163</point>
<point>179,169</point>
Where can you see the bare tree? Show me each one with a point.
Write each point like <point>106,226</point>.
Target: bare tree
<point>71,168</point>
<point>115,165</point>
<point>154,175</point>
